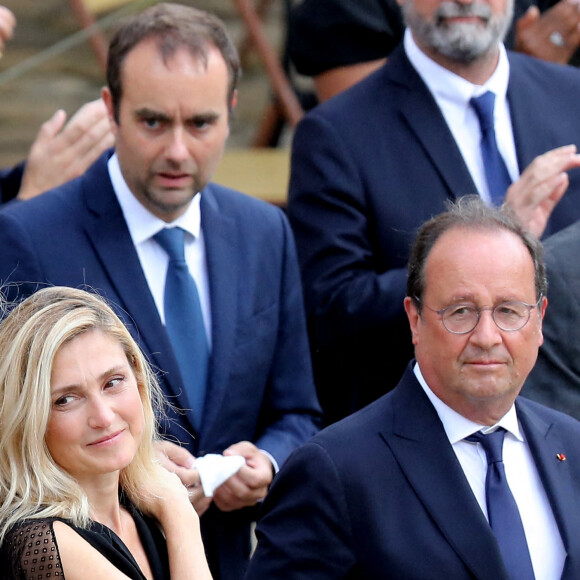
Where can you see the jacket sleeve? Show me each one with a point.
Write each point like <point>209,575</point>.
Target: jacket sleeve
<point>290,414</point>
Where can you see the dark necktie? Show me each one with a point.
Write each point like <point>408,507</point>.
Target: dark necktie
<point>502,510</point>
<point>496,173</point>
<point>184,321</point>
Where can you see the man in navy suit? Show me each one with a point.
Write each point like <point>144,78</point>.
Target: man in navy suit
<point>395,490</point>
<point>371,165</point>
<point>172,75</point>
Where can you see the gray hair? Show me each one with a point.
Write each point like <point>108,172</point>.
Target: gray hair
<point>470,212</point>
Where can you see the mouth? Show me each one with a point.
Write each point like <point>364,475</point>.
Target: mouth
<point>174,180</point>
<point>484,364</point>
<point>107,439</point>
<point>459,14</point>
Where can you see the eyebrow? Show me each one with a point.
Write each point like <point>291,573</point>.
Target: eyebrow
<point>145,112</point>
<point>101,377</point>
<point>150,113</point>
<point>470,299</point>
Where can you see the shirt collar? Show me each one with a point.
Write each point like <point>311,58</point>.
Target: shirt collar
<point>444,84</point>
<point>142,224</point>
<point>457,427</point>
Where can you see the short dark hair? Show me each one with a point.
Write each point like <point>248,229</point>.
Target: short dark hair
<point>470,212</point>
<point>173,26</point>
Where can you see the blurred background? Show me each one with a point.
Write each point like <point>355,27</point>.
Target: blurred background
<point>50,64</point>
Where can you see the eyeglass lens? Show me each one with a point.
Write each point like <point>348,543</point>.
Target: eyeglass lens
<point>510,316</point>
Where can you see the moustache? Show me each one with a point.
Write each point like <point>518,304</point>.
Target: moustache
<point>456,10</point>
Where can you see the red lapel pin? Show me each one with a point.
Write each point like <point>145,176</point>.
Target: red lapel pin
<point>560,457</point>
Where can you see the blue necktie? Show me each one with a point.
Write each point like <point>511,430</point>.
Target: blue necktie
<point>184,321</point>
<point>502,510</point>
<point>496,173</point>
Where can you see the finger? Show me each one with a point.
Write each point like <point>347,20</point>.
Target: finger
<point>84,120</point>
<point>176,454</point>
<point>189,477</point>
<point>7,24</point>
<point>234,486</point>
<point>557,186</point>
<point>202,504</point>
<point>530,16</point>
<point>234,495</point>
<point>49,129</point>
<point>227,501</point>
<point>573,37</point>
<point>82,153</point>
<point>550,163</point>
<point>243,448</point>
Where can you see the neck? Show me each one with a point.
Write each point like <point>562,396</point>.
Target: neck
<point>103,496</point>
<point>487,414</point>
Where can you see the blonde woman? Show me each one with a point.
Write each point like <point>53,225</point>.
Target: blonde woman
<point>81,495</point>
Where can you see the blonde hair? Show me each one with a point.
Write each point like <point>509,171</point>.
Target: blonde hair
<point>32,485</point>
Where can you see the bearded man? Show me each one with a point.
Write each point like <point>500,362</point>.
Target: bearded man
<point>374,163</point>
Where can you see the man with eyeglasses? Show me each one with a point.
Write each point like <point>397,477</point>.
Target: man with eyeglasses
<point>451,475</point>
<point>451,113</point>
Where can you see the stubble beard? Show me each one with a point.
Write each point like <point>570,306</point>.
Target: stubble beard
<point>463,42</point>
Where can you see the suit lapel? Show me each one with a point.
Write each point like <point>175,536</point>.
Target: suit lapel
<point>545,444</point>
<point>108,233</point>
<point>220,236</point>
<point>533,134</point>
<point>425,455</point>
<point>425,120</point>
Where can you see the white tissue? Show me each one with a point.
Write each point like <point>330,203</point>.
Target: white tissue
<point>214,469</point>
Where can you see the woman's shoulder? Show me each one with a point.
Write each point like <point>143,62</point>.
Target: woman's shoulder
<point>30,550</point>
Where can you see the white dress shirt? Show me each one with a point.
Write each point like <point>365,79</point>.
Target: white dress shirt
<point>542,534</point>
<point>452,94</point>
<point>143,225</point>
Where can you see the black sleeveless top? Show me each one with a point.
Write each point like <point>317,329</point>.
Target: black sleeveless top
<point>30,550</point>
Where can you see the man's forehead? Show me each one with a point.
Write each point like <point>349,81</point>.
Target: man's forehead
<point>151,49</point>
<point>482,254</point>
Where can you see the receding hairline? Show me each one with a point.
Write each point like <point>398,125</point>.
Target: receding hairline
<point>493,230</point>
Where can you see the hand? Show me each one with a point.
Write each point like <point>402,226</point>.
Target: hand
<point>169,504</point>
<point>59,155</point>
<point>541,186</point>
<point>180,461</point>
<point>169,494</point>
<point>7,24</point>
<point>250,484</point>
<point>533,31</point>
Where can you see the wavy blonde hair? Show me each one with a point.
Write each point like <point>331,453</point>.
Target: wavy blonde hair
<point>32,485</point>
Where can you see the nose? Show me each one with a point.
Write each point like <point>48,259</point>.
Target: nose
<point>177,150</point>
<point>486,334</point>
<point>101,413</point>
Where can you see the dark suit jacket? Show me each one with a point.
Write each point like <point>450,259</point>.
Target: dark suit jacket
<point>381,494</point>
<point>10,182</point>
<point>555,379</point>
<point>368,168</point>
<point>260,385</point>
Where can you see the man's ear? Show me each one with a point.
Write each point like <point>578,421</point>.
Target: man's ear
<point>413,316</point>
<point>234,100</point>
<point>108,100</point>
<point>542,310</point>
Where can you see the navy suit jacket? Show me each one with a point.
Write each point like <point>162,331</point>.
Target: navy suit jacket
<point>381,494</point>
<point>260,386</point>
<point>10,182</point>
<point>368,168</point>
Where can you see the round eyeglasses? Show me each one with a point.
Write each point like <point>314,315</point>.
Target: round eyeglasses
<point>463,318</point>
